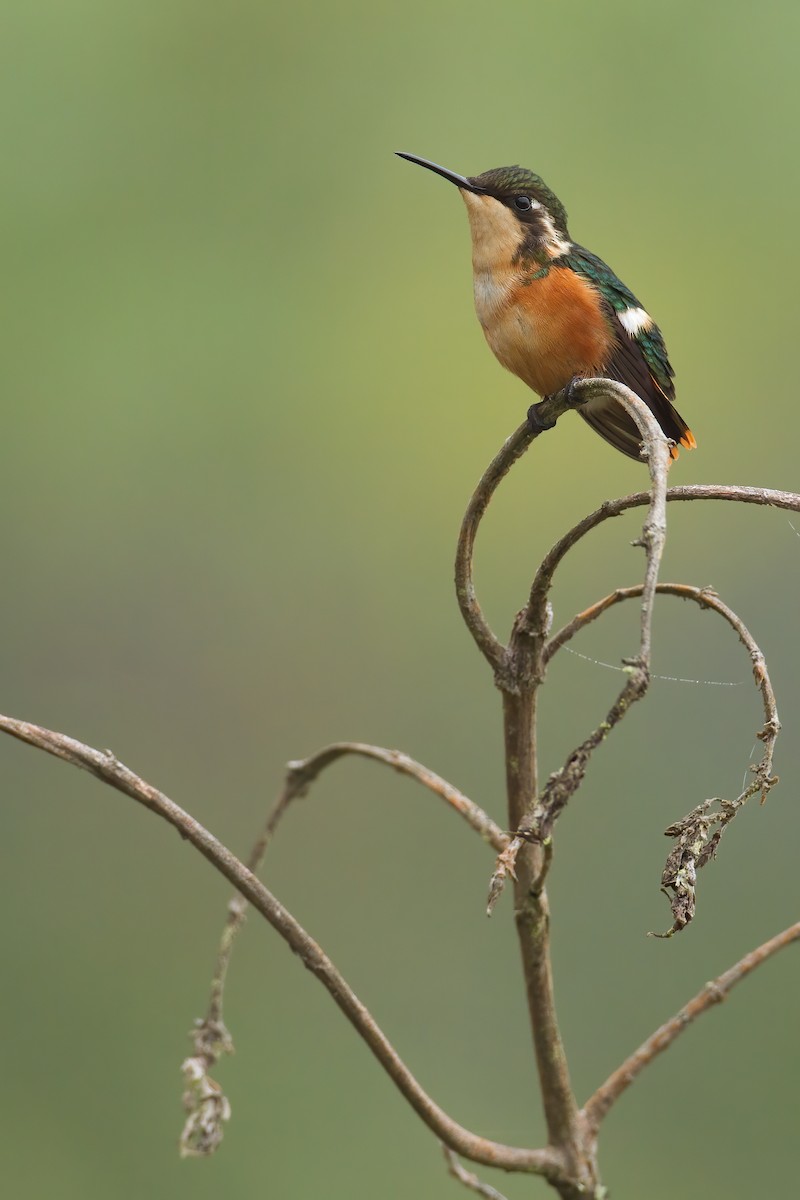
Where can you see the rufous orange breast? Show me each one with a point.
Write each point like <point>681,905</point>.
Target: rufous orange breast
<point>544,330</point>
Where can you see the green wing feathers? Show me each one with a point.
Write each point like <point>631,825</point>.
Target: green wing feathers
<point>639,360</point>
<point>619,298</point>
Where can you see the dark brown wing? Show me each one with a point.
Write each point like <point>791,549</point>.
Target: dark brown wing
<point>629,365</point>
<point>640,361</point>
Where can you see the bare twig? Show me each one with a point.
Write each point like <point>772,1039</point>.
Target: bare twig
<point>541,813</point>
<point>469,1178</point>
<point>658,465</point>
<point>305,771</point>
<point>210,1036</point>
<point>569,1161</point>
<point>597,1107</point>
<point>550,409</point>
<point>518,672</point>
<point>694,848</point>
<point>489,645</point>
<point>766,497</point>
<point>104,765</point>
<point>708,599</point>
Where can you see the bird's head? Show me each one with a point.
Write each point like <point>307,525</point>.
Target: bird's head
<point>512,214</point>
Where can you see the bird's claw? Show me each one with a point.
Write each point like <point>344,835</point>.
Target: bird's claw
<point>536,422</point>
<point>569,391</point>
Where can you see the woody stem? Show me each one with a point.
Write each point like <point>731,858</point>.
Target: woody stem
<point>532,916</point>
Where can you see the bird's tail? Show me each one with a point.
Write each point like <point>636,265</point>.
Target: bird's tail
<point>610,420</point>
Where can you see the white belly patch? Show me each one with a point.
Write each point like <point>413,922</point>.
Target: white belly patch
<point>491,295</point>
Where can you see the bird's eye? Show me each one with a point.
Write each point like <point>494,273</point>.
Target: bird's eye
<point>523,203</point>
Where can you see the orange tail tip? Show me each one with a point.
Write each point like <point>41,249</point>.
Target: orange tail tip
<point>687,441</point>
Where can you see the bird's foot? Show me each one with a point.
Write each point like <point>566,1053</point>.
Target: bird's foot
<point>569,391</point>
<point>537,423</point>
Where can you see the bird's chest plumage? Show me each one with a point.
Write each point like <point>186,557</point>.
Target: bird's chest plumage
<point>544,329</point>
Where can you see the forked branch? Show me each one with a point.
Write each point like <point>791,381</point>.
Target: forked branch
<point>104,765</point>
<point>569,1161</point>
<point>469,1178</point>
<point>527,649</point>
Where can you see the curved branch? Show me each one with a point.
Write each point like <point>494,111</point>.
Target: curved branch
<point>105,766</point>
<point>694,847</point>
<point>489,645</point>
<point>303,772</point>
<point>548,412</point>
<point>210,1036</point>
<point>767,497</point>
<point>655,447</point>
<point>597,1107</point>
<point>706,598</point>
<point>543,811</point>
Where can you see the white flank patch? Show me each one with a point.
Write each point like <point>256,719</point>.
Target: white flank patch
<point>635,320</point>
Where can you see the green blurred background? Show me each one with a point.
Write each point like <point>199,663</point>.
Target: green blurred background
<point>246,399</point>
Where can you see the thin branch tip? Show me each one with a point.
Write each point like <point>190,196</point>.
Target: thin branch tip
<point>698,833</point>
<point>715,992</point>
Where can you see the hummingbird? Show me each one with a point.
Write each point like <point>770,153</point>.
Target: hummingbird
<point>553,312</point>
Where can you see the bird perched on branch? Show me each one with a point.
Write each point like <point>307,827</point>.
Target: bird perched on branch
<point>552,311</point>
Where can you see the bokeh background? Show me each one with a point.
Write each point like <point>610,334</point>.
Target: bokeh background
<point>245,402</point>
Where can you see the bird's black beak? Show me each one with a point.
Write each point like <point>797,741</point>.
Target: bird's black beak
<point>460,181</point>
